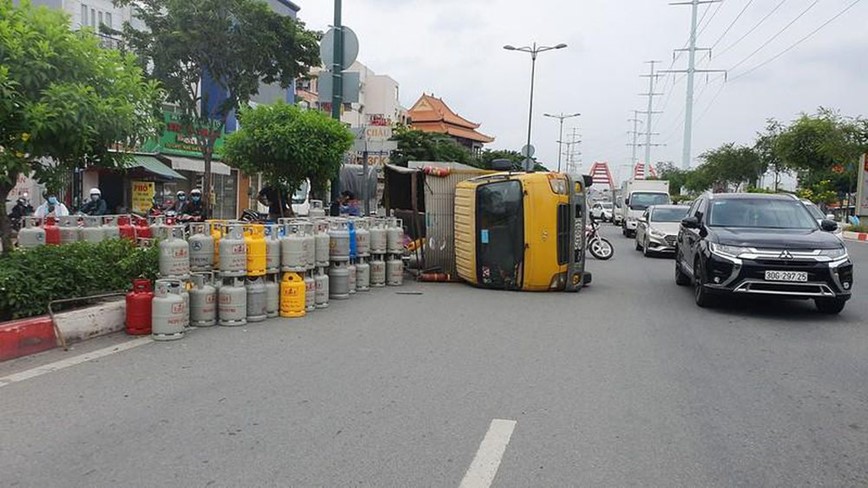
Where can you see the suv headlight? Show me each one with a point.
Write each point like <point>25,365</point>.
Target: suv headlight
<point>834,253</point>
<point>729,251</point>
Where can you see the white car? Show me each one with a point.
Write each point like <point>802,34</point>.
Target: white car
<point>602,211</point>
<point>657,228</point>
<point>819,217</point>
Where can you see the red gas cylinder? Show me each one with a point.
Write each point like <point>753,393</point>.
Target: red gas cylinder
<point>52,231</point>
<point>125,228</point>
<point>143,231</point>
<point>138,320</point>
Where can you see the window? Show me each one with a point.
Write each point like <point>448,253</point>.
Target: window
<point>100,20</point>
<point>93,17</point>
<point>83,15</point>
<point>108,20</point>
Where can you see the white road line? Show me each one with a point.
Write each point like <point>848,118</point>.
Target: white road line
<point>65,363</point>
<point>482,470</point>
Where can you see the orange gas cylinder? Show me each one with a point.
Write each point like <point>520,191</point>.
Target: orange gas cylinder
<point>125,228</point>
<point>52,232</point>
<point>138,319</point>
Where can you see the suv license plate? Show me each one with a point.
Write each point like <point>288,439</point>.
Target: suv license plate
<point>795,276</point>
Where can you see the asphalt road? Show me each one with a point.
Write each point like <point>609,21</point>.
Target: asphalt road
<point>627,383</point>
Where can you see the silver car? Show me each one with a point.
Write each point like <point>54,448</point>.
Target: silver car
<point>657,229</point>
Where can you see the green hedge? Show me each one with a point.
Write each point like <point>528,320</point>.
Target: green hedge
<point>31,278</point>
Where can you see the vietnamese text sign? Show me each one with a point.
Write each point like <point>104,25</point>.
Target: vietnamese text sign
<point>143,196</point>
<point>176,139</point>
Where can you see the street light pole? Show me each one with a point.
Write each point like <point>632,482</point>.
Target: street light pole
<point>534,52</point>
<point>561,138</point>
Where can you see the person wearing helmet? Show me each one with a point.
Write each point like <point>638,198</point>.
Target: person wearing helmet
<point>52,207</point>
<point>194,209</point>
<point>180,202</point>
<point>95,205</point>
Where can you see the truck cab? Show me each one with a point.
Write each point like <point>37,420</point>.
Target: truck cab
<point>637,196</point>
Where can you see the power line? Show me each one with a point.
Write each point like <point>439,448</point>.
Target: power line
<point>797,43</point>
<point>771,39</point>
<point>732,24</point>
<point>755,27</point>
<point>716,11</point>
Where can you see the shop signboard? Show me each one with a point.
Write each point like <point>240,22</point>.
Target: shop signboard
<point>176,141</point>
<point>143,196</point>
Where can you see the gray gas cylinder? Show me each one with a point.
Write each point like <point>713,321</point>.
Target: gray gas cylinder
<point>309,292</point>
<point>394,271</point>
<point>395,237</point>
<point>158,227</point>
<point>363,237</point>
<point>317,210</point>
<point>379,239</point>
<point>272,296</point>
<point>363,276</point>
<point>272,249</point>
<point>339,244</point>
<point>110,227</point>
<point>232,303</point>
<point>257,300</point>
<point>69,231</point>
<point>339,281</point>
<point>322,242</point>
<point>201,247</point>
<point>233,251</point>
<point>185,295</point>
<point>293,255</point>
<point>378,271</point>
<point>309,246</point>
<point>92,230</point>
<point>351,278</point>
<point>175,255</point>
<point>321,283</point>
<point>203,301</point>
<point>31,235</point>
<point>167,312</point>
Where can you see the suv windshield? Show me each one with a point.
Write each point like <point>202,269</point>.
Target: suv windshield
<point>668,214</point>
<point>760,213</point>
<point>641,201</point>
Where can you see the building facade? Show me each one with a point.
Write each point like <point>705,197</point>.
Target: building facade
<point>431,114</point>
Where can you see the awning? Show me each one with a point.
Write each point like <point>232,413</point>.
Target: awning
<point>152,165</point>
<point>198,165</point>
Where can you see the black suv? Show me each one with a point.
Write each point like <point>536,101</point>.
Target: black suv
<point>732,243</point>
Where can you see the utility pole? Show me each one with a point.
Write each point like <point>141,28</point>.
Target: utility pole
<point>691,71</point>
<point>635,135</point>
<point>574,142</point>
<point>652,77</point>
<point>337,85</point>
<point>561,117</point>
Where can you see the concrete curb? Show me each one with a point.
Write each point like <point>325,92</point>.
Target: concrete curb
<point>33,335</point>
<point>856,236</point>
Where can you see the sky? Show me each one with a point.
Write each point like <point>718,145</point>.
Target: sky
<point>454,49</point>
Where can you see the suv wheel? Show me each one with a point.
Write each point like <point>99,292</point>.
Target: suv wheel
<point>701,295</point>
<point>831,306</point>
<point>681,279</point>
<point>638,246</point>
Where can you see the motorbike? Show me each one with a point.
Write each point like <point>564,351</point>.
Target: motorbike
<point>597,245</point>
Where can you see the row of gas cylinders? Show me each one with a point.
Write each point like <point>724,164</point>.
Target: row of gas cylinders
<point>68,229</point>
<point>292,245</point>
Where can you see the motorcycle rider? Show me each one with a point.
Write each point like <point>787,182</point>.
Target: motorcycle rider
<point>96,205</point>
<point>180,201</point>
<point>51,208</point>
<point>21,209</point>
<point>194,209</point>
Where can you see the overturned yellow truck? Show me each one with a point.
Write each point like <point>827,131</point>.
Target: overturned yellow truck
<point>500,230</point>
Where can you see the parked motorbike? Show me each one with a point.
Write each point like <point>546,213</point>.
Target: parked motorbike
<point>597,245</point>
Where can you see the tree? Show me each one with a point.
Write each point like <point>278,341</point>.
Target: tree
<point>234,43</point>
<point>731,166</point>
<point>287,144</point>
<point>489,155</point>
<point>64,99</point>
<point>766,147</point>
<point>677,177</point>
<point>416,145</point>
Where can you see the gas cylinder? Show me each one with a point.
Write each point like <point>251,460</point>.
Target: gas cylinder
<point>339,243</point>
<point>52,231</point>
<point>69,231</point>
<point>92,230</point>
<point>175,255</point>
<point>363,275</point>
<point>317,210</point>
<point>232,303</point>
<point>125,228</point>
<point>378,271</point>
<point>201,248</point>
<point>293,255</point>
<point>363,238</point>
<point>309,292</point>
<point>216,233</point>
<point>254,237</point>
<point>395,271</point>
<point>272,249</point>
<point>203,301</point>
<point>395,237</point>
<point>379,240</point>
<point>322,240</point>
<point>272,296</point>
<point>143,230</point>
<point>351,226</point>
<point>233,251</point>
<point>351,277</point>
<point>292,301</point>
<point>110,227</point>
<point>184,290</point>
<point>167,312</point>
<point>31,235</point>
<point>257,300</point>
<point>309,246</point>
<point>158,228</point>
<point>138,311</point>
<point>321,285</point>
<point>339,281</point>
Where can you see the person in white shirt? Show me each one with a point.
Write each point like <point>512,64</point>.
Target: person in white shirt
<point>51,208</point>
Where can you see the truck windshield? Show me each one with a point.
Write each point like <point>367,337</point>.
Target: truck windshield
<point>300,194</point>
<point>641,201</point>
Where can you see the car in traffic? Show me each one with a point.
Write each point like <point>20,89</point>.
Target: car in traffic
<point>657,229</point>
<point>602,211</point>
<point>819,216</point>
<point>767,245</point>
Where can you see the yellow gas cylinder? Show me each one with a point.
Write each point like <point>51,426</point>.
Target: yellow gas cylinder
<point>257,253</point>
<point>216,233</point>
<point>292,296</point>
